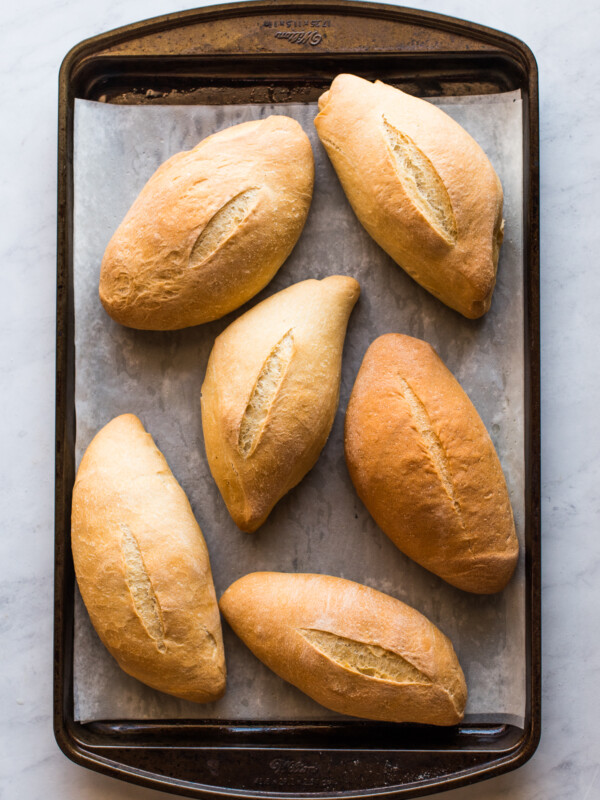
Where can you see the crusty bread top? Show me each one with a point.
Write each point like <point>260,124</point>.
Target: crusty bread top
<point>271,392</point>
<point>421,186</point>
<point>423,463</point>
<point>142,565</point>
<point>211,227</point>
<point>350,647</point>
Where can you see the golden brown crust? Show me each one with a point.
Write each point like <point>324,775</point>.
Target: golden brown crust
<point>375,135</point>
<point>254,183</point>
<point>142,565</point>
<point>424,465</point>
<point>352,649</point>
<point>271,391</point>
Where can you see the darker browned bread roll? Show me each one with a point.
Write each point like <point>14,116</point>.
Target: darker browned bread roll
<point>425,467</point>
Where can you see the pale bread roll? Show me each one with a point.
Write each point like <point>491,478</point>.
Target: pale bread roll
<point>420,185</point>
<point>423,464</point>
<point>142,566</point>
<point>352,649</point>
<point>271,392</point>
<point>210,228</point>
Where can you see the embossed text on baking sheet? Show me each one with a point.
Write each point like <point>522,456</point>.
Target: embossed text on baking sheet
<point>221,225</point>
<point>264,393</point>
<point>140,586</point>
<point>422,183</point>
<point>365,659</point>
<point>432,442</point>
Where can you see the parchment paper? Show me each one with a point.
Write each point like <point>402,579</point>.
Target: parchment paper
<point>320,526</point>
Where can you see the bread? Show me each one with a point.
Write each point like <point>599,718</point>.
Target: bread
<point>142,566</point>
<point>420,185</point>
<point>425,467</point>
<point>352,649</point>
<point>271,391</point>
<point>210,228</point>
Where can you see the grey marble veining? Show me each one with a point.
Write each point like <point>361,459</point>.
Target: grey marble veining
<point>34,37</point>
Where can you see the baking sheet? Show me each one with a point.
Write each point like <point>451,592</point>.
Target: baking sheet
<point>320,526</point>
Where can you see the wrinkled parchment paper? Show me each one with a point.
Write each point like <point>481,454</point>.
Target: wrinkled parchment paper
<point>320,526</point>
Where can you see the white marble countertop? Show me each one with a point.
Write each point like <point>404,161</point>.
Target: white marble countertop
<point>35,35</point>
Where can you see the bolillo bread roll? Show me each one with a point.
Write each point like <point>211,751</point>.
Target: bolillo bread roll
<point>271,392</point>
<point>425,467</point>
<point>210,228</point>
<point>352,649</point>
<point>420,185</point>
<point>142,566</point>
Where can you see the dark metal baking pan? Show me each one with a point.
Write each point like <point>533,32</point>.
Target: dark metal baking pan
<point>281,52</point>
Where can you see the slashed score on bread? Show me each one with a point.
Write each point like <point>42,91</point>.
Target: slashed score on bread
<point>271,392</point>
<point>351,648</point>
<point>210,228</point>
<point>420,185</point>
<point>423,464</point>
<point>142,565</point>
